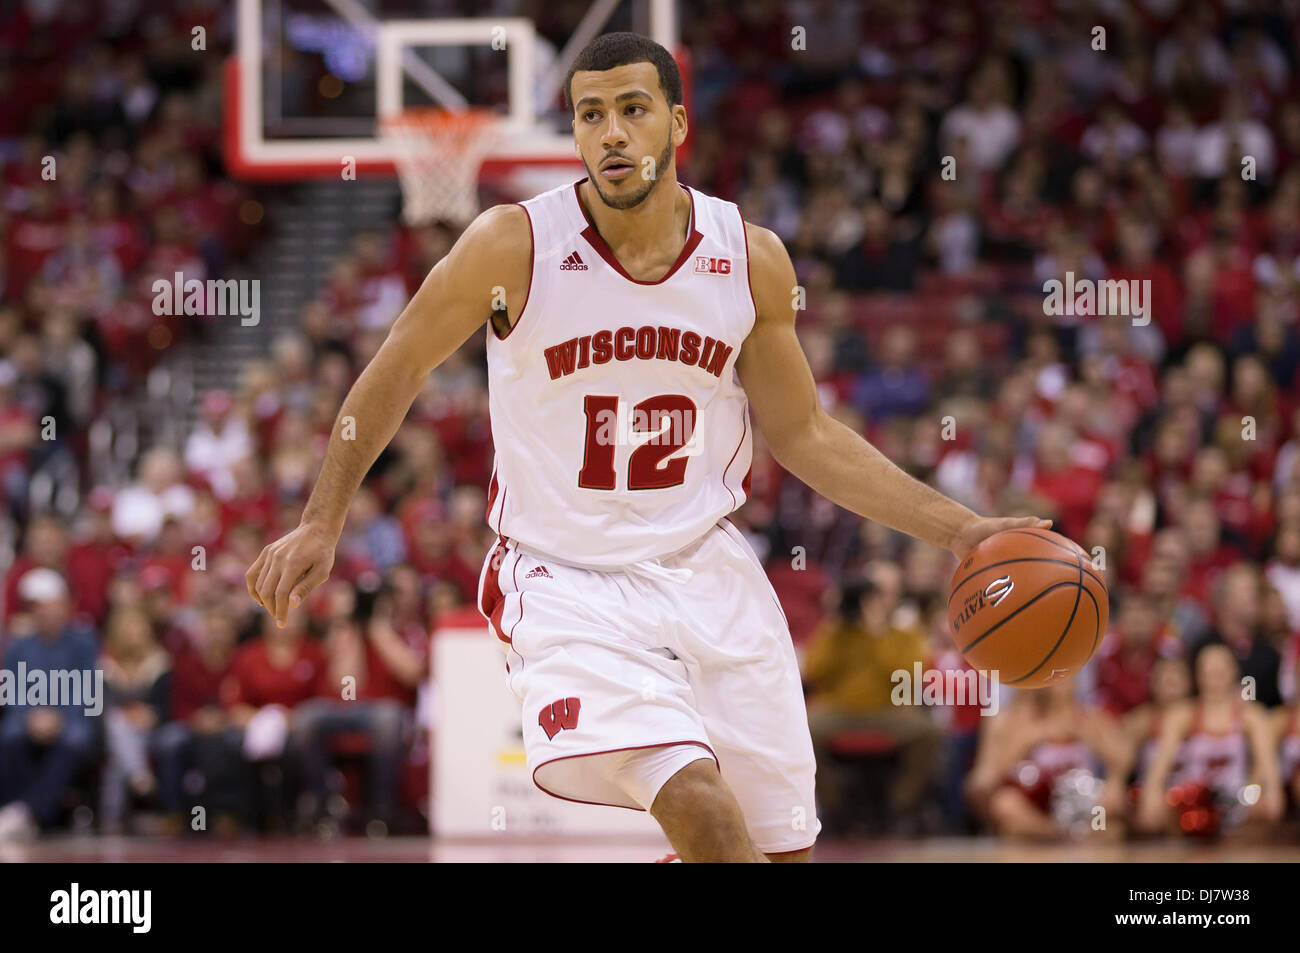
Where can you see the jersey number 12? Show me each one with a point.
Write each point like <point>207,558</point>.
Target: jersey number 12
<point>661,425</point>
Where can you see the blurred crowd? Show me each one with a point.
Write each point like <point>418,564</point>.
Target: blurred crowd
<point>929,165</point>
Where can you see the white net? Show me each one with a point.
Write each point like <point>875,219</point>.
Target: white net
<point>438,154</point>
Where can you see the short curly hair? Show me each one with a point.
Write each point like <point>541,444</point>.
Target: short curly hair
<point>620,49</point>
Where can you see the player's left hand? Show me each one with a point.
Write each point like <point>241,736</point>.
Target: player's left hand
<point>984,527</point>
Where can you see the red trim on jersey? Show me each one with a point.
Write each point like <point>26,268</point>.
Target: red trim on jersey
<point>592,754</point>
<point>492,595</point>
<point>502,515</point>
<point>749,275</point>
<point>493,488</point>
<point>602,248</point>
<point>532,250</point>
<point>744,420</point>
<point>782,853</point>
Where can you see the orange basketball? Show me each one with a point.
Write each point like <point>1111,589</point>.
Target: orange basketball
<point>1027,604</point>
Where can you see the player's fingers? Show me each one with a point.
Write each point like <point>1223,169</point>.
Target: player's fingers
<point>289,578</point>
<point>253,575</point>
<point>268,580</point>
<point>315,576</point>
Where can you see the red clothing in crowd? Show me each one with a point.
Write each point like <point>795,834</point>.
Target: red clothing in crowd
<point>91,567</point>
<point>1203,570</point>
<point>194,685</point>
<point>378,682</point>
<point>1074,490</point>
<point>253,680</point>
<point>1124,675</point>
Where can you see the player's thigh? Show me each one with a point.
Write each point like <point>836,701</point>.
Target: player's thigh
<point>591,691</point>
<point>748,690</point>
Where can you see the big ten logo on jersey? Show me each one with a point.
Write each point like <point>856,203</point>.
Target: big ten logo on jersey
<point>559,715</point>
<point>704,265</point>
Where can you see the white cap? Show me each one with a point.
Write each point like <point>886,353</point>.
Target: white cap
<point>42,585</point>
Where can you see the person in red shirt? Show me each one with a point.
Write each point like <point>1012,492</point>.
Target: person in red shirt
<point>1069,489</point>
<point>200,734</point>
<point>95,558</point>
<point>1210,554</point>
<point>283,666</point>
<point>269,678</point>
<point>1129,652</point>
<point>368,688</point>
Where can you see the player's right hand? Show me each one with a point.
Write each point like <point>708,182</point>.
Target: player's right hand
<point>288,569</point>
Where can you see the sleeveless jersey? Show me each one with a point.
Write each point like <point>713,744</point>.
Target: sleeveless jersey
<point>1047,762</point>
<point>621,430</point>
<point>1217,761</point>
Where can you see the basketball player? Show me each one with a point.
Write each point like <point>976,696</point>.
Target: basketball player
<point>635,326</point>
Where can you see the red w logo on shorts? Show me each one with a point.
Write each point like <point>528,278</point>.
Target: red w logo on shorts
<point>558,715</point>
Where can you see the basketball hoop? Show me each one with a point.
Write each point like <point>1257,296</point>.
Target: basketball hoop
<point>438,154</point>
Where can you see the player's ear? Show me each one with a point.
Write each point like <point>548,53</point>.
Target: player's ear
<point>679,124</point>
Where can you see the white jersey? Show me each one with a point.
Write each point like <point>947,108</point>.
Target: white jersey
<point>621,430</point>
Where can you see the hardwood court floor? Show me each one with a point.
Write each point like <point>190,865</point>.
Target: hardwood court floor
<point>423,850</point>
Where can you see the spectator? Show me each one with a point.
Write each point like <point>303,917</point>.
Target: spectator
<point>849,667</point>
<point>137,678</point>
<point>1237,599</point>
<point>1130,652</point>
<point>880,261</point>
<point>45,743</point>
<point>367,688</point>
<point>139,509</point>
<point>990,126</point>
<point>218,440</point>
<point>200,742</point>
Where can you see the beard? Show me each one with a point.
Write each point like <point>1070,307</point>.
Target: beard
<point>639,196</point>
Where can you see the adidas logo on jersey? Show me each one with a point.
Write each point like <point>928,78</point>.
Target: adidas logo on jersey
<point>573,263</point>
<point>540,570</point>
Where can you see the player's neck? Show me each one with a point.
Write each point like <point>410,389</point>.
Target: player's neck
<point>658,226</point>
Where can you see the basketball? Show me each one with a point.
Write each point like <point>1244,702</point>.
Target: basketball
<point>1027,604</point>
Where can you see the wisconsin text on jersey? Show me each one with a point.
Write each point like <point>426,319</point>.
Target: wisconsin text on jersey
<point>643,344</point>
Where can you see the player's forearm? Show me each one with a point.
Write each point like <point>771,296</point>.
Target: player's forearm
<point>372,411</point>
<point>849,471</point>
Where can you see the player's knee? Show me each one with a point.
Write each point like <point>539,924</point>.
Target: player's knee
<point>698,793</point>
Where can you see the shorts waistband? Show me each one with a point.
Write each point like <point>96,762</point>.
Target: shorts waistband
<point>652,566</point>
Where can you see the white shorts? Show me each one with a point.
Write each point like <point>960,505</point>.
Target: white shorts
<point>689,655</point>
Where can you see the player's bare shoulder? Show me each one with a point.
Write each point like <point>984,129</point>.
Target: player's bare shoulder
<point>486,272</point>
<point>771,276</point>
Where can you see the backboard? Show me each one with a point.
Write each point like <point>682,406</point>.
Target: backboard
<point>312,80</point>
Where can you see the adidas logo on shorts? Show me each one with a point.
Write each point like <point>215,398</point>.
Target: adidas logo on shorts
<point>540,570</point>
<point>573,263</point>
